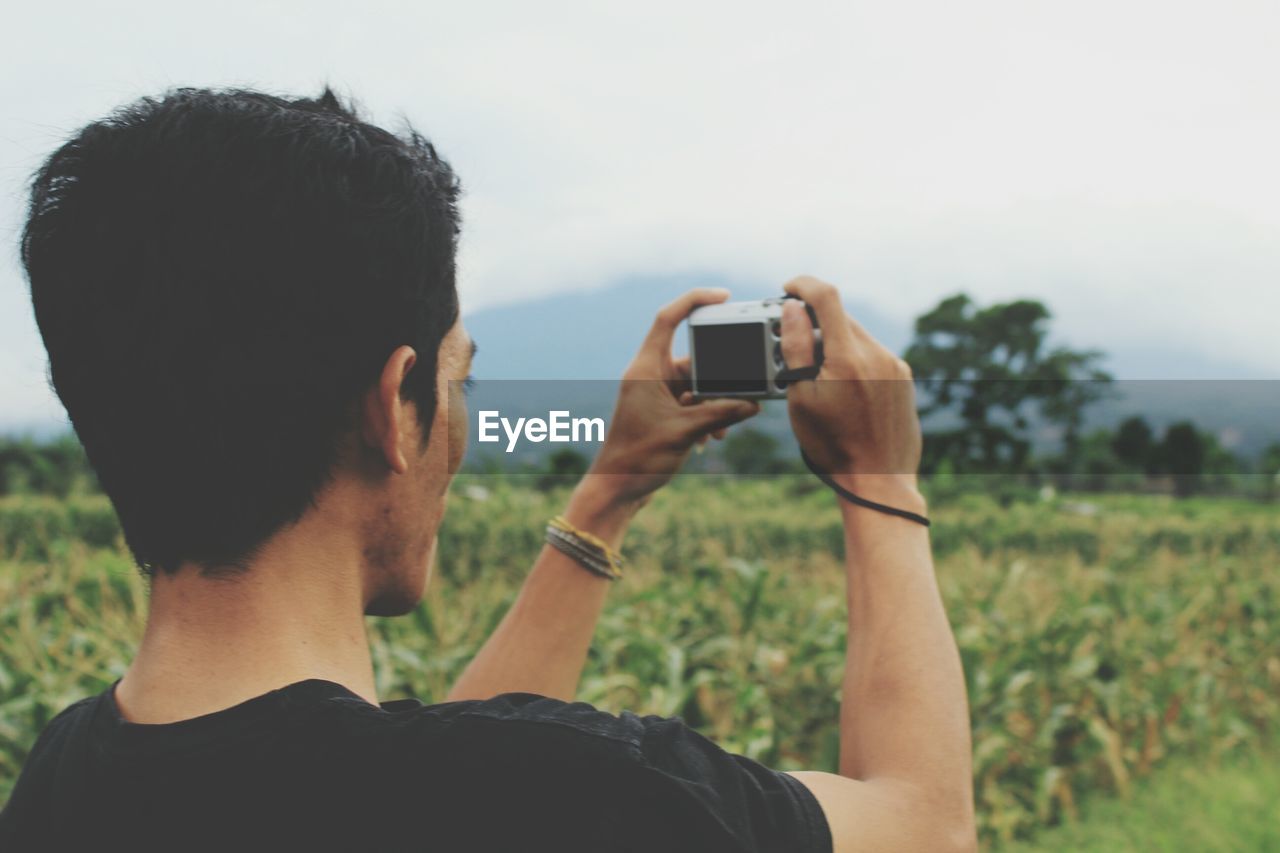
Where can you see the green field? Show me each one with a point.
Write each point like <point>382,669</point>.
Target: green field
<point>1210,808</point>
<point>1104,642</point>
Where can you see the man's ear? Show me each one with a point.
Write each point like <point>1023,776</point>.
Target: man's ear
<point>388,421</point>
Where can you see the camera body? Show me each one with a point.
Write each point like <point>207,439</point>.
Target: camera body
<point>735,349</point>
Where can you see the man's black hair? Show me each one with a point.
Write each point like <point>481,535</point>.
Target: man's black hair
<point>218,275</point>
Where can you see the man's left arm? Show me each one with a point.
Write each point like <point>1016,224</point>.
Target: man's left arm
<point>541,644</point>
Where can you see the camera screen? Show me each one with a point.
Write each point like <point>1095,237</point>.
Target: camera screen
<point>730,358</point>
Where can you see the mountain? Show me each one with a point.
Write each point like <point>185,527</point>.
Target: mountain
<point>594,334</point>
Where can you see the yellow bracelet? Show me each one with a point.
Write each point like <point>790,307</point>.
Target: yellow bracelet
<point>613,557</point>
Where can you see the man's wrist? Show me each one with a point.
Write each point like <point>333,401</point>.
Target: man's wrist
<point>599,506</point>
<point>899,491</point>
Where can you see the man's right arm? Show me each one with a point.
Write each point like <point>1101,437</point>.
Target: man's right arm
<point>905,780</point>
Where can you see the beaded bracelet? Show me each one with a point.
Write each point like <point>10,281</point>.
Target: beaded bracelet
<point>592,552</point>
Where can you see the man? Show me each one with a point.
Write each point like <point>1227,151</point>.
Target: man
<point>250,313</point>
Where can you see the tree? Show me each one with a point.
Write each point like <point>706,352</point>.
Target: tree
<point>990,369</point>
<point>1182,455</point>
<point>1134,445</point>
<point>563,467</point>
<point>750,452</point>
<point>1099,463</point>
<point>1269,467</point>
<point>1222,468</point>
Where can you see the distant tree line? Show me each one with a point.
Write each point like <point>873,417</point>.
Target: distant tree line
<point>987,379</point>
<point>1186,459</point>
<point>991,378</point>
<point>1182,460</point>
<point>55,467</point>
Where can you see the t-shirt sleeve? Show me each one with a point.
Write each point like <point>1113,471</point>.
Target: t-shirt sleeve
<point>758,808</point>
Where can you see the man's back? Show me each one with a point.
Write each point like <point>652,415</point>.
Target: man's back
<point>313,766</point>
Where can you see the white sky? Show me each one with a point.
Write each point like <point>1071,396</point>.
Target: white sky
<point>1117,159</point>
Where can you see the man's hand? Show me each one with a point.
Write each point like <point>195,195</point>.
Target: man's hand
<point>541,644</point>
<point>857,421</point>
<point>656,422</point>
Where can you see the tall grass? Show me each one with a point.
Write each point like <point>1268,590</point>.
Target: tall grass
<point>1097,639</point>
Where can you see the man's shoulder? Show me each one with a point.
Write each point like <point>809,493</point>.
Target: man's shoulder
<point>60,727</point>
<point>668,783</point>
<point>505,719</point>
<point>41,763</point>
<point>66,719</point>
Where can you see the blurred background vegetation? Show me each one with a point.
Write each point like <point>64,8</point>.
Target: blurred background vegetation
<point>1100,638</point>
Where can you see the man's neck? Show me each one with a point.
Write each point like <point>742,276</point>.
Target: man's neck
<point>213,642</point>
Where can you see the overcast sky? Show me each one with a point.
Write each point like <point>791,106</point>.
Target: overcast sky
<point>1117,159</point>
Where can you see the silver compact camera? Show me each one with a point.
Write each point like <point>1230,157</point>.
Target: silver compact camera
<point>736,350</point>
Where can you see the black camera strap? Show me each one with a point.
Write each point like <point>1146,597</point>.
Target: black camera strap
<point>795,374</point>
<point>852,498</point>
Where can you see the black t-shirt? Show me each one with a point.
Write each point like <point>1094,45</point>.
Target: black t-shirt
<point>313,766</point>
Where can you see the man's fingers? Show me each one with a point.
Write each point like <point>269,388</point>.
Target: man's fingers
<point>681,372</point>
<point>837,336</point>
<point>672,315</point>
<point>866,340</point>
<point>797,335</point>
<point>712,415</point>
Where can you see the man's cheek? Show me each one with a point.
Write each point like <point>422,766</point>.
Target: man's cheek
<point>458,430</point>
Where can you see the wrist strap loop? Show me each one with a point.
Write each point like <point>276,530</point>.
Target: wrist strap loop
<point>854,499</point>
<point>797,374</point>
